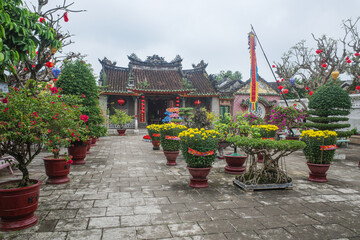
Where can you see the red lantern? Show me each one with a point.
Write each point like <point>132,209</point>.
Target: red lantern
<point>177,105</point>
<point>324,65</point>
<point>278,81</point>
<point>280,87</point>
<point>357,88</point>
<point>177,101</point>
<point>197,102</point>
<point>142,96</point>
<point>286,91</point>
<point>121,101</point>
<point>347,58</point>
<point>177,97</point>
<point>142,100</point>
<point>142,111</point>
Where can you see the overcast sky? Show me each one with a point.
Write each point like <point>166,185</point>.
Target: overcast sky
<point>215,31</point>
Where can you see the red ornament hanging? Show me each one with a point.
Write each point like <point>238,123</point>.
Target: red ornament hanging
<point>177,101</point>
<point>348,61</point>
<point>177,97</point>
<point>280,87</point>
<point>66,18</point>
<point>286,91</point>
<point>142,96</point>
<point>142,100</point>
<point>357,88</point>
<point>49,64</point>
<point>307,88</point>
<point>278,80</point>
<point>197,102</point>
<point>282,79</point>
<point>318,51</point>
<point>311,93</point>
<point>25,69</point>
<point>142,111</point>
<point>273,66</point>
<point>177,105</point>
<point>42,20</point>
<point>121,101</point>
<point>357,54</point>
<point>324,65</point>
<point>294,104</point>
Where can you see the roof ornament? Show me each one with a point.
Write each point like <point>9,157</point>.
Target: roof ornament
<point>201,64</point>
<point>155,59</point>
<point>134,57</point>
<point>176,59</point>
<point>108,62</point>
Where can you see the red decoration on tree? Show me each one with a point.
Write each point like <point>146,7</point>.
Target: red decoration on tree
<point>42,20</point>
<point>318,51</point>
<point>286,91</point>
<point>324,65</point>
<point>294,104</point>
<point>357,54</point>
<point>25,69</point>
<point>49,64</point>
<point>307,88</point>
<point>347,58</point>
<point>197,102</point>
<point>311,93</point>
<point>121,101</point>
<point>348,61</point>
<point>66,19</point>
<point>280,87</point>
<point>273,66</point>
<point>278,80</point>
<point>33,66</point>
<point>282,79</point>
<point>357,88</point>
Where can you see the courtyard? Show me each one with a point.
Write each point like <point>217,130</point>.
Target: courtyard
<point>125,191</point>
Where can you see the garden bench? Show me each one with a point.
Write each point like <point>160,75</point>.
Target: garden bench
<point>340,141</point>
<point>7,162</point>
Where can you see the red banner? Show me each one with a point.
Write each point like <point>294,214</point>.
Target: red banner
<point>156,135</point>
<point>328,147</point>
<point>172,138</point>
<point>197,153</point>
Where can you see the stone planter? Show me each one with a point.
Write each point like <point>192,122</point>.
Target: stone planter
<point>57,170</point>
<point>78,154</point>
<point>17,206</point>
<point>171,157</point>
<point>156,145</point>
<point>121,132</point>
<point>318,172</point>
<point>198,177</point>
<point>235,164</point>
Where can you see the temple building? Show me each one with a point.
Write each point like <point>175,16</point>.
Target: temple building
<point>145,89</point>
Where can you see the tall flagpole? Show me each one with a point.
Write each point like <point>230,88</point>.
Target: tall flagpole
<point>283,95</point>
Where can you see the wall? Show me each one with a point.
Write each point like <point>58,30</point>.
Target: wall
<point>354,117</point>
<point>237,108</point>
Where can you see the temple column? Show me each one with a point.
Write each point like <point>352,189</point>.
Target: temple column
<point>215,105</point>
<point>136,102</point>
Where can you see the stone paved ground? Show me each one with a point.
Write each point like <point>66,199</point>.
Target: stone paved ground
<point>125,191</point>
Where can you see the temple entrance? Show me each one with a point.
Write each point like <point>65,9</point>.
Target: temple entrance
<point>156,110</point>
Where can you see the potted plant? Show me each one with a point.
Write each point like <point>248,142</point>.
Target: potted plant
<point>154,133</point>
<point>265,132</point>
<point>120,118</point>
<point>23,131</point>
<point>286,119</point>
<point>272,174</point>
<point>319,152</point>
<point>199,150</point>
<point>170,141</point>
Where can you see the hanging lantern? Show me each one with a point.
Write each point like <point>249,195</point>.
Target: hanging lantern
<point>177,97</point>
<point>142,96</point>
<point>56,71</point>
<point>197,102</point>
<point>286,91</point>
<point>292,81</point>
<point>177,105</point>
<point>142,100</point>
<point>335,74</point>
<point>66,18</point>
<point>177,101</point>
<point>121,101</point>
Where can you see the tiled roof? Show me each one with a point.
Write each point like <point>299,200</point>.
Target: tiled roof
<point>200,81</point>
<point>116,79</point>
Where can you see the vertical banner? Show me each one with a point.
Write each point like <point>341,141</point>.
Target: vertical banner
<point>254,81</point>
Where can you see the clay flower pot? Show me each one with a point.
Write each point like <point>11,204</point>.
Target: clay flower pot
<point>121,132</point>
<point>17,206</point>
<point>93,141</point>
<point>292,138</point>
<point>78,154</point>
<point>57,169</point>
<point>171,157</point>
<point>156,145</point>
<point>318,172</point>
<point>88,146</point>
<point>198,177</point>
<point>235,164</point>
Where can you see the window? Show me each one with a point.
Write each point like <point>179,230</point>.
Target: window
<point>223,110</point>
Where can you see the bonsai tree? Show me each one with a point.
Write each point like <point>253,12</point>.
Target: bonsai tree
<point>120,118</point>
<point>77,79</point>
<point>186,114</point>
<point>200,119</point>
<point>326,105</point>
<point>273,151</point>
<point>287,118</point>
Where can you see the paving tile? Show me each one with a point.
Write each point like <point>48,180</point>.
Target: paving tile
<point>175,207</point>
<point>128,233</point>
<point>48,235</point>
<point>326,217</point>
<point>194,216</point>
<point>148,209</point>
<point>185,229</point>
<point>274,234</point>
<point>217,226</point>
<point>104,222</point>
<point>131,202</point>
<point>249,212</point>
<point>135,220</point>
<point>80,204</point>
<point>300,219</point>
<point>91,212</point>
<point>218,236</point>
<point>196,206</point>
<point>93,234</point>
<point>157,200</point>
<point>332,231</point>
<point>271,210</point>
<point>241,224</point>
<point>119,211</point>
<point>106,202</point>
<point>304,232</point>
<point>224,205</point>
<point>165,218</point>
<point>64,225</point>
<point>119,195</point>
<point>61,214</point>
<point>95,196</point>
<point>221,214</point>
<point>153,232</point>
<point>243,235</point>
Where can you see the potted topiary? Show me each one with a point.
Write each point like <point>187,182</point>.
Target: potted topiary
<point>272,174</point>
<point>23,132</point>
<point>170,141</point>
<point>154,133</point>
<point>319,152</point>
<point>120,118</point>
<point>199,150</point>
<point>286,119</point>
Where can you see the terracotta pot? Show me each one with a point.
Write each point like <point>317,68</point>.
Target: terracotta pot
<point>292,138</point>
<point>198,177</point>
<point>121,132</point>
<point>78,154</point>
<point>57,170</point>
<point>93,142</point>
<point>171,157</point>
<point>17,206</point>
<point>235,164</point>
<point>318,172</point>
<point>156,145</point>
<point>88,146</point>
